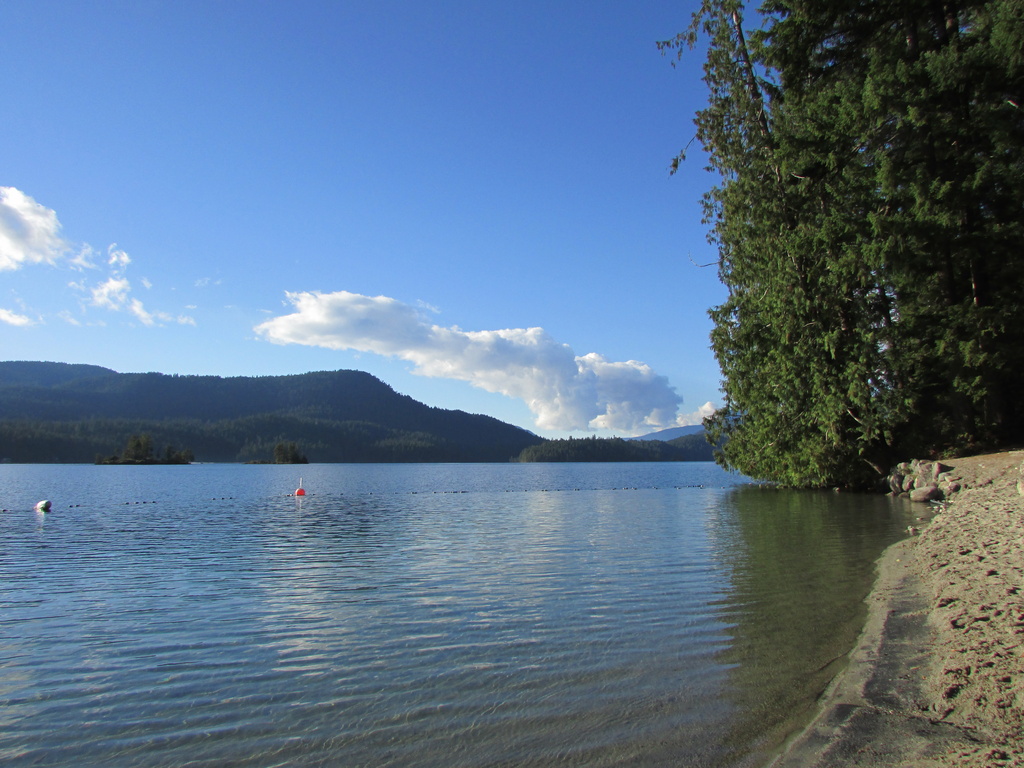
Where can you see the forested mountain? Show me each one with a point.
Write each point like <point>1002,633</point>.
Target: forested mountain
<point>869,219</point>
<point>72,413</point>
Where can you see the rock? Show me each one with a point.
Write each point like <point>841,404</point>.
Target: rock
<point>928,492</point>
<point>927,480</point>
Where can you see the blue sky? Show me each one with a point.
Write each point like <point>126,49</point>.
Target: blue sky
<point>469,200</point>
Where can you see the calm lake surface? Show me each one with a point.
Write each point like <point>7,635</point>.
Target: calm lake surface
<point>421,615</point>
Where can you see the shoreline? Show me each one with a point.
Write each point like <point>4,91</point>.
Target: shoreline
<point>936,678</point>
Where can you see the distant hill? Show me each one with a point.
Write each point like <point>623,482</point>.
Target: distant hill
<point>72,413</point>
<point>672,433</point>
<point>47,374</point>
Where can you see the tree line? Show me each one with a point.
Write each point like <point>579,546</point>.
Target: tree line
<point>594,449</point>
<point>239,440</point>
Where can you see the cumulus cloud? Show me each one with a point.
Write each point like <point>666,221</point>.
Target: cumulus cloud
<point>563,390</point>
<point>697,416</point>
<point>29,232</point>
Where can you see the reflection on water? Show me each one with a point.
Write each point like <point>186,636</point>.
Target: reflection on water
<point>419,615</point>
<point>801,563</point>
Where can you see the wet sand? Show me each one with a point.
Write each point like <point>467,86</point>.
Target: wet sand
<point>937,677</point>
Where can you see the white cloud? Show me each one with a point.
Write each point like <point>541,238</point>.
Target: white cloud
<point>112,294</point>
<point>563,390</point>
<point>84,259</point>
<point>117,258</point>
<point>13,318</point>
<point>697,416</point>
<point>147,318</point>
<point>29,232</point>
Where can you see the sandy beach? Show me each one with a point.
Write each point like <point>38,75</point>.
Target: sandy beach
<point>937,677</point>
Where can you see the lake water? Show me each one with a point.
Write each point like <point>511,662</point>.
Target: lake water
<point>421,615</point>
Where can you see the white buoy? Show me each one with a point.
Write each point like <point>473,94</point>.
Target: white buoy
<point>43,506</point>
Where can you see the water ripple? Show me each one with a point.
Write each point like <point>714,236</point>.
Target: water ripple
<point>382,621</point>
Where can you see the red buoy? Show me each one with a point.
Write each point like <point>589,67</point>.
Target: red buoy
<point>300,491</point>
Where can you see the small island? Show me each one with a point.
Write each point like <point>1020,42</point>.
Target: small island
<point>139,450</point>
<point>284,453</point>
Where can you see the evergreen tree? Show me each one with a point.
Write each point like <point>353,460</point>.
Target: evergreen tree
<point>868,221</point>
<point>288,453</point>
<point>139,448</point>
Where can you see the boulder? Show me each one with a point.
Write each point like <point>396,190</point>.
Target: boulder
<point>928,492</point>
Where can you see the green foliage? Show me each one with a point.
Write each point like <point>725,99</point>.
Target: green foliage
<point>869,221</point>
<point>687,448</point>
<point>139,450</point>
<point>288,453</point>
<point>693,447</point>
